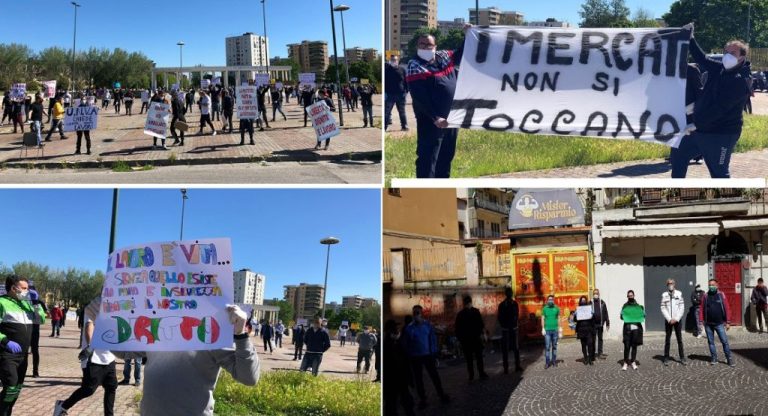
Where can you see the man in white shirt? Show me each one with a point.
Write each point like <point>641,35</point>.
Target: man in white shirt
<point>673,308</point>
<point>98,369</point>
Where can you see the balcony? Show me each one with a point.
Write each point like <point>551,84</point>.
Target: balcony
<point>491,205</point>
<point>483,233</point>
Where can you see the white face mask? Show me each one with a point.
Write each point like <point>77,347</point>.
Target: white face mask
<point>730,61</point>
<point>671,287</point>
<point>24,295</point>
<point>427,54</point>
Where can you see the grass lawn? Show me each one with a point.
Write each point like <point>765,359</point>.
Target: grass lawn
<point>291,393</point>
<point>482,153</point>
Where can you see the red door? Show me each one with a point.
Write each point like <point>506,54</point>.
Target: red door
<point>728,275</point>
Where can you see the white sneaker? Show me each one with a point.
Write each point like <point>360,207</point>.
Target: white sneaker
<point>699,336</point>
<point>634,365</point>
<point>214,132</point>
<point>59,409</point>
<point>624,367</point>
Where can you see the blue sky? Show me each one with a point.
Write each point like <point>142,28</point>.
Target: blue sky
<point>154,27</point>
<point>563,10</point>
<point>275,232</point>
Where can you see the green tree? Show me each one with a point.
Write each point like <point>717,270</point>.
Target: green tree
<point>345,314</point>
<point>372,316</point>
<point>330,73</point>
<point>604,13</point>
<point>644,18</point>
<point>14,64</point>
<point>719,21</point>
<point>286,313</point>
<point>363,70</point>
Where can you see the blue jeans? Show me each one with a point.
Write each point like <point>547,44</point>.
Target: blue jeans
<point>368,111</point>
<point>392,100</point>
<point>37,127</point>
<point>311,359</point>
<point>697,330</point>
<point>127,369</point>
<point>550,347</point>
<point>715,148</point>
<point>710,329</point>
<point>435,149</point>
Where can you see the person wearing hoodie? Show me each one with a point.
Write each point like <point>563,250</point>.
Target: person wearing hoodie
<point>17,318</point>
<point>716,316</point>
<point>673,308</point>
<point>633,315</point>
<point>717,113</point>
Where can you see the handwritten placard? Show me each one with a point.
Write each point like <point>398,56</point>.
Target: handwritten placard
<point>49,89</point>
<point>157,120</point>
<point>18,91</point>
<point>167,296</point>
<point>261,79</point>
<point>81,118</point>
<point>247,102</point>
<point>323,121</point>
<point>307,78</point>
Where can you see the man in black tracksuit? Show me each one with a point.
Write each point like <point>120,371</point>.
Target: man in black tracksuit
<point>178,110</point>
<point>508,316</point>
<point>18,318</point>
<point>600,316</point>
<point>228,108</point>
<point>469,330</point>
<point>431,78</point>
<point>717,112</point>
<point>318,341</point>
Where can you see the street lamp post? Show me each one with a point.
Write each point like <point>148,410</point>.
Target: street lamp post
<point>74,45</point>
<point>181,45</point>
<point>338,80</point>
<point>329,241</point>
<point>264,49</point>
<point>477,12</point>
<point>113,225</point>
<point>749,21</point>
<point>183,200</point>
<point>341,9</point>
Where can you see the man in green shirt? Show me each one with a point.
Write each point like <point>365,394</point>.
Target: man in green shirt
<point>550,329</point>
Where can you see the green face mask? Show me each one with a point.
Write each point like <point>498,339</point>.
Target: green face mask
<point>713,289</point>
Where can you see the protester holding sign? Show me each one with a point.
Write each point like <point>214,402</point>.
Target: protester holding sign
<point>322,120</point>
<point>717,113</point>
<point>17,317</point>
<point>431,78</point>
<point>98,368</point>
<point>84,128</point>
<point>633,315</point>
<point>585,330</point>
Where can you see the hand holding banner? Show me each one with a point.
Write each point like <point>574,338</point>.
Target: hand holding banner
<point>167,296</point>
<point>609,83</point>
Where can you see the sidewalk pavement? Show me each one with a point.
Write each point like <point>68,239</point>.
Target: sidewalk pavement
<point>122,138</point>
<point>60,374</point>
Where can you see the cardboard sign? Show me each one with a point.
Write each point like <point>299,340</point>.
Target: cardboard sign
<point>353,79</point>
<point>144,96</point>
<point>81,118</point>
<point>167,296</point>
<point>174,87</point>
<point>301,321</point>
<point>583,313</point>
<point>389,54</point>
<point>205,83</point>
<point>307,79</point>
<point>247,102</point>
<point>365,81</point>
<point>261,79</point>
<point>217,81</point>
<point>157,120</point>
<point>18,91</point>
<point>182,96</point>
<point>323,121</point>
<point>49,89</point>
<point>279,85</point>
<point>608,83</point>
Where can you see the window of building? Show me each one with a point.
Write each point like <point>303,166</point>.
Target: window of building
<point>394,191</point>
<point>496,229</point>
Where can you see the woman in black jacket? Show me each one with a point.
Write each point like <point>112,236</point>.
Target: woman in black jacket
<point>585,330</point>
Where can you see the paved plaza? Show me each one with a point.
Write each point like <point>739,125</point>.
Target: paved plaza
<point>121,138</point>
<point>60,374</point>
<point>604,389</point>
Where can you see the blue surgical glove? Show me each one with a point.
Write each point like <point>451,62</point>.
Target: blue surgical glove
<point>13,347</point>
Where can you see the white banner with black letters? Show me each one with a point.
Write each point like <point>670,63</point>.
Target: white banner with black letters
<point>609,83</point>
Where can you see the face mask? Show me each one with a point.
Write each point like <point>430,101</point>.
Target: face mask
<point>427,54</point>
<point>24,295</point>
<point>631,300</point>
<point>550,302</point>
<point>713,289</point>
<point>730,61</point>
<point>671,287</point>
<point>596,297</point>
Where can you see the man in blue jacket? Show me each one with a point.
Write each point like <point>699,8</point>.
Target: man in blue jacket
<point>431,78</point>
<point>420,343</point>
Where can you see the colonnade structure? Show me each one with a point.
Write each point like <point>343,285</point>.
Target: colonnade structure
<point>242,73</point>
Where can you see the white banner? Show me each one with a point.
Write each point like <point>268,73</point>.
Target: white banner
<point>49,89</point>
<point>81,118</point>
<point>145,96</point>
<point>609,83</point>
<point>205,83</point>
<point>217,81</point>
<point>261,79</point>
<point>323,121</point>
<point>18,91</point>
<point>279,85</point>
<point>167,296</point>
<point>247,102</point>
<point>307,78</point>
<point>157,119</point>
